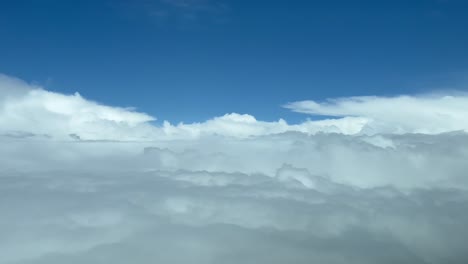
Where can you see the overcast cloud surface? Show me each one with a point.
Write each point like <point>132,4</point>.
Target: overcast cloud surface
<point>384,182</point>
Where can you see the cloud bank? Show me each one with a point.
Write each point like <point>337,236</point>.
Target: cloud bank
<point>81,182</point>
<point>29,109</point>
<point>428,114</point>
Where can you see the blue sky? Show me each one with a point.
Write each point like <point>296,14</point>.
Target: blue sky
<point>190,60</point>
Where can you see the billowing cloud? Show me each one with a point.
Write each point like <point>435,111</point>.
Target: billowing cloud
<point>32,110</point>
<point>81,182</point>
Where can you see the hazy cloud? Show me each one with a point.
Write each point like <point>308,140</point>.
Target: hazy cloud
<point>181,13</point>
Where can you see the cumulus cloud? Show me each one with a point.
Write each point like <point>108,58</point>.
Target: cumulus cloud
<point>30,109</point>
<point>232,189</point>
<point>34,110</point>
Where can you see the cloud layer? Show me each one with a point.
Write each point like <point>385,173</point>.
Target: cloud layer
<point>81,182</point>
<point>29,110</point>
<point>428,114</point>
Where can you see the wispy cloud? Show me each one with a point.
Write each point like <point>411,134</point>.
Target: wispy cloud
<point>432,113</point>
<point>181,13</point>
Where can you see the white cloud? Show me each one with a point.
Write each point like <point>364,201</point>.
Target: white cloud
<point>244,126</point>
<point>27,109</point>
<point>232,189</point>
<point>33,110</point>
<point>429,114</point>
<point>85,208</point>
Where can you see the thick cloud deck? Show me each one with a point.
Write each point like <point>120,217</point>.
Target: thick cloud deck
<point>230,190</point>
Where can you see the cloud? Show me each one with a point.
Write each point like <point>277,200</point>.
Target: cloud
<point>185,3</point>
<point>81,182</point>
<point>196,7</point>
<point>429,114</point>
<point>30,109</point>
<point>244,125</point>
<point>83,207</point>
<point>184,14</point>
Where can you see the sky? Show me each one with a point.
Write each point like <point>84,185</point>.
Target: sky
<point>226,132</point>
<point>190,60</point>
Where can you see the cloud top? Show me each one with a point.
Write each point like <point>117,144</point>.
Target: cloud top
<point>429,114</point>
<point>31,109</point>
